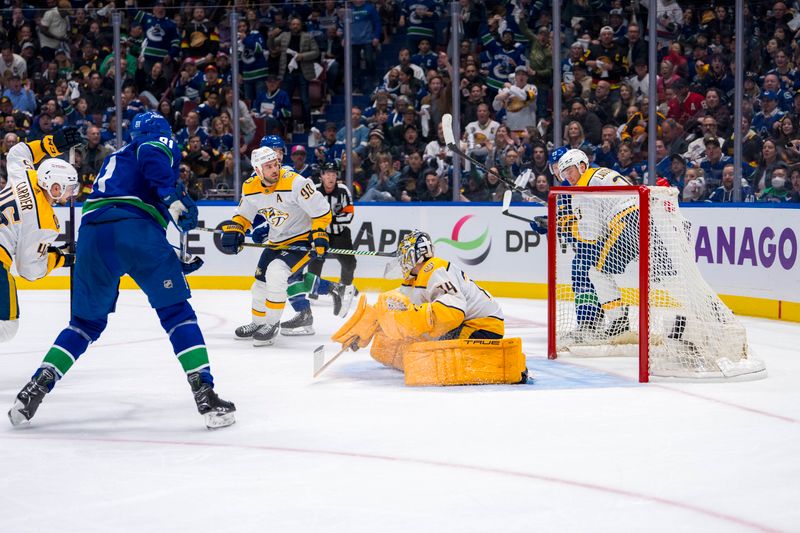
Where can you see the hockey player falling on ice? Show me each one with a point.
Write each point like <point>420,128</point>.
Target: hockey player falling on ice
<point>297,214</point>
<point>437,302</point>
<point>28,225</point>
<point>600,245</point>
<point>123,231</point>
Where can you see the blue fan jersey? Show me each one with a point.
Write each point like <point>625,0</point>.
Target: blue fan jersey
<point>136,178</point>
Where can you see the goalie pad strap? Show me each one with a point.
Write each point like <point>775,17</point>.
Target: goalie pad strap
<point>465,362</point>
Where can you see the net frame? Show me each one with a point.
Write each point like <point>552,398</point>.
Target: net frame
<point>643,193</point>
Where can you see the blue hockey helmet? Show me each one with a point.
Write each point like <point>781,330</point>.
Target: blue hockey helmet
<point>555,155</point>
<point>274,142</point>
<point>149,123</point>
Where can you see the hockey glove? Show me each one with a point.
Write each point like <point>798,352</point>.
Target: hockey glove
<point>182,209</point>
<point>232,237</point>
<point>319,243</point>
<point>66,138</point>
<point>539,225</point>
<point>260,234</point>
<point>63,258</point>
<point>192,265</point>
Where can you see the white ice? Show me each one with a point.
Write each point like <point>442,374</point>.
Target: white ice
<point>119,446</point>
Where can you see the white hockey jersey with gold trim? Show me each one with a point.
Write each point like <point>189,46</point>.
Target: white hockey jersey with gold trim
<point>28,225</point>
<point>292,207</point>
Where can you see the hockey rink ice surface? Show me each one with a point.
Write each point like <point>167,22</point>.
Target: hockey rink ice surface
<point>119,446</point>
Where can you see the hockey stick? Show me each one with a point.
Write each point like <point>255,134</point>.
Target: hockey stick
<point>450,141</point>
<point>540,221</point>
<point>71,235</point>
<point>335,251</point>
<point>319,358</point>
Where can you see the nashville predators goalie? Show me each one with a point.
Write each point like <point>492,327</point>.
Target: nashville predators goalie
<point>439,327</point>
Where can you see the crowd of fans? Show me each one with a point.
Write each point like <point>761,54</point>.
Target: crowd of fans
<point>57,68</point>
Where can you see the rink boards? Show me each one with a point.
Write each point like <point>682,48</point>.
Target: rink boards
<point>748,254</point>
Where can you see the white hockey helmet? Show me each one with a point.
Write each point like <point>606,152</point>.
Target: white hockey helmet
<point>55,171</point>
<point>414,248</point>
<point>572,158</point>
<point>261,156</point>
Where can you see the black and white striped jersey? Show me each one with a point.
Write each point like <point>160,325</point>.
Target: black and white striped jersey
<point>341,207</point>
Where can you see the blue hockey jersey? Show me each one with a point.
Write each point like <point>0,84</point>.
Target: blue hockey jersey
<point>135,178</point>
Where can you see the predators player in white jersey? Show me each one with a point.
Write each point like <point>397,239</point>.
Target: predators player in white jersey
<point>438,307</point>
<point>297,214</point>
<point>603,239</point>
<point>28,224</point>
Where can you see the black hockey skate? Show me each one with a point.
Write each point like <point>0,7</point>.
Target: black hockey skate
<point>217,412</point>
<point>266,335</point>
<point>300,324</point>
<point>342,298</point>
<point>245,333</point>
<point>31,395</point>
<point>619,325</point>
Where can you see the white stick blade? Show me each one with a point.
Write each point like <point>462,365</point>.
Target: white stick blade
<point>319,359</point>
<point>506,201</point>
<point>447,129</point>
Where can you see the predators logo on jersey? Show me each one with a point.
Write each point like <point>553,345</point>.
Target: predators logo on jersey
<point>275,217</point>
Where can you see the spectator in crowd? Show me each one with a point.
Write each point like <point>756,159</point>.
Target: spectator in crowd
<point>481,132</point>
<point>589,121</point>
<point>331,149</point>
<point>436,155</point>
<point>253,63</point>
<point>540,62</point>
<point>708,127</point>
<point>365,38</point>
<point>163,40</point>
<point>247,127</point>
<point>794,195</point>
<point>11,63</point>
<point>779,189</point>
<point>436,189</point>
<point>419,17</point>
<point>220,138</point>
<point>192,129</point>
<point>21,97</point>
<point>273,104</point>
<point>53,29</point>
<point>771,156</point>
<point>299,162</point>
<point>714,162</point>
<point>724,193</point>
<point>200,160</point>
<point>382,186</point>
<point>298,52</point>
<point>94,154</point>
<point>695,188</point>
<point>200,39</point>
<point>360,130</point>
<point>518,100</point>
<point>767,121</point>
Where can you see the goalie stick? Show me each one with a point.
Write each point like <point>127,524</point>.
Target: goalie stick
<point>319,358</point>
<point>450,141</point>
<point>335,251</point>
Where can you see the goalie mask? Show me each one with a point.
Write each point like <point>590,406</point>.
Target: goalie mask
<point>415,248</point>
<point>57,172</point>
<point>266,165</point>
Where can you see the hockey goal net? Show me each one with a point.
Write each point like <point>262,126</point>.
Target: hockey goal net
<point>622,280</point>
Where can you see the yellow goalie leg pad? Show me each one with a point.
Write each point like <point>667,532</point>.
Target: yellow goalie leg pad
<point>361,326</point>
<point>388,352</point>
<point>465,362</point>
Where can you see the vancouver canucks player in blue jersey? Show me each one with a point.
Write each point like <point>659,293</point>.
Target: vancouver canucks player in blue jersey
<point>123,231</point>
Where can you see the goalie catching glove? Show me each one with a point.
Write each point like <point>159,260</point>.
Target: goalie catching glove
<point>318,243</point>
<point>232,237</point>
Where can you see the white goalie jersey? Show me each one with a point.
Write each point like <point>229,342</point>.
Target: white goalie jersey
<point>440,281</point>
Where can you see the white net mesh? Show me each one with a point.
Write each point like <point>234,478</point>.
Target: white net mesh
<point>692,334</point>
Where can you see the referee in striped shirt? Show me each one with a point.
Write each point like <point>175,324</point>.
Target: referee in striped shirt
<point>341,204</point>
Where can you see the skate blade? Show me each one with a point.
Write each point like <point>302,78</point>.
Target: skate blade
<point>16,418</point>
<point>219,420</point>
<point>238,338</point>
<point>297,332</point>
<point>347,302</point>
<point>263,343</point>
